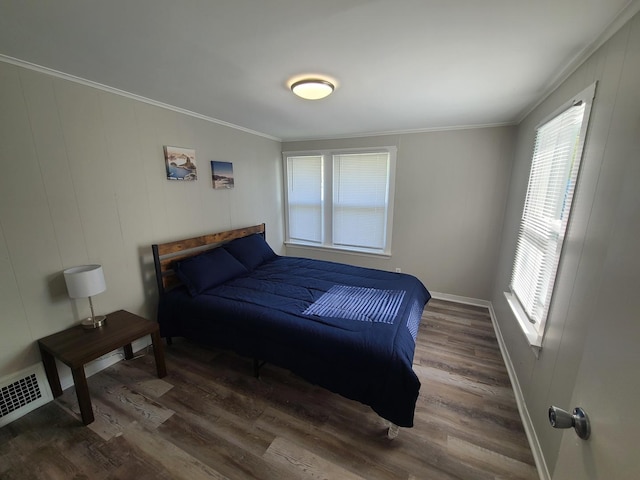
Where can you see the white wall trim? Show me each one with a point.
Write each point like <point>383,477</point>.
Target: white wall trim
<point>66,379</point>
<point>403,132</point>
<point>534,444</point>
<point>459,299</point>
<point>90,83</point>
<point>625,14</point>
<point>133,96</point>
<point>64,372</point>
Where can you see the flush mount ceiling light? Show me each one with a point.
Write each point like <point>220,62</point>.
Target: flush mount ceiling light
<point>312,88</point>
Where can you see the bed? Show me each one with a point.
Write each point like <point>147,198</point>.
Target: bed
<point>351,330</point>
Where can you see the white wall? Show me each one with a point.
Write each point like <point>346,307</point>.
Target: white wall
<point>83,181</point>
<point>451,189</point>
<point>612,150</point>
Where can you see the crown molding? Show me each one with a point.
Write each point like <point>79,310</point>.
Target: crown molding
<point>401,132</point>
<point>626,13</point>
<point>122,93</point>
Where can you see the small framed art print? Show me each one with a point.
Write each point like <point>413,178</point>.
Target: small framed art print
<point>180,163</point>
<point>222,174</point>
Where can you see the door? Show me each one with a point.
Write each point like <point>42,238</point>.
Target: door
<point>608,382</point>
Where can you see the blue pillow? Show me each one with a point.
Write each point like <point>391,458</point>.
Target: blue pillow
<point>251,251</point>
<point>207,270</point>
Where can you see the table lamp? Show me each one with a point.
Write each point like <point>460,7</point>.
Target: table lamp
<point>85,281</point>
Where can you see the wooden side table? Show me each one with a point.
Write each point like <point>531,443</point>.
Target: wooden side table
<point>77,346</point>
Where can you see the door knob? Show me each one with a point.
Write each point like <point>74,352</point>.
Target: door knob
<point>559,418</point>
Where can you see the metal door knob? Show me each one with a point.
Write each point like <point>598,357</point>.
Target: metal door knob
<point>559,418</point>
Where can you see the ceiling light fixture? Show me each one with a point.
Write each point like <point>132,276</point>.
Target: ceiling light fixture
<point>312,88</point>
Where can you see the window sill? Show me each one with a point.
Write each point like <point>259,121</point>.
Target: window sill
<point>528,328</point>
<point>348,250</point>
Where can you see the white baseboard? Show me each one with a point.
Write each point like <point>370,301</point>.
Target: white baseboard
<point>66,379</point>
<point>534,444</point>
<point>64,372</point>
<point>459,299</point>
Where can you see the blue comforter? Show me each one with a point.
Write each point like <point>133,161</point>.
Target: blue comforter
<point>351,330</point>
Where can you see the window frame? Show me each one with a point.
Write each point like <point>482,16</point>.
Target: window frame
<point>535,332</point>
<point>327,198</point>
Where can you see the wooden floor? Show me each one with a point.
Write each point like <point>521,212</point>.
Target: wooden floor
<point>211,419</point>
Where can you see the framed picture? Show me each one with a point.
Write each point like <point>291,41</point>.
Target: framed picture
<point>222,174</point>
<point>181,163</point>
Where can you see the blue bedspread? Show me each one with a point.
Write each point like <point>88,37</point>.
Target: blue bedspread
<point>351,330</point>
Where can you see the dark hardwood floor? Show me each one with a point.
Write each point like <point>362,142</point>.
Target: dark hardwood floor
<point>211,419</point>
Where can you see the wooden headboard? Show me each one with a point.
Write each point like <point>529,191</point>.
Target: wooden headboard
<point>164,254</point>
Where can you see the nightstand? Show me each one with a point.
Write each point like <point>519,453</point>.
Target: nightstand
<point>77,346</point>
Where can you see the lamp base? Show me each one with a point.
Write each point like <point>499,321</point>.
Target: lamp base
<point>91,323</point>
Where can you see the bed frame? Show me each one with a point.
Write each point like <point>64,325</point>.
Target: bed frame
<point>164,254</point>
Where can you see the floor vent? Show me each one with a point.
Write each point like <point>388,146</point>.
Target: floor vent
<point>18,394</point>
<point>22,392</point>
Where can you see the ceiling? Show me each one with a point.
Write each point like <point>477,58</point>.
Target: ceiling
<point>399,65</point>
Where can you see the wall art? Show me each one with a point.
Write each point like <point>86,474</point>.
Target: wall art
<point>180,163</point>
<point>222,174</point>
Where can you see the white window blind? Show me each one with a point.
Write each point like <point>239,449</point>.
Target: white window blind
<point>340,199</point>
<point>304,198</point>
<point>360,199</point>
<point>552,180</point>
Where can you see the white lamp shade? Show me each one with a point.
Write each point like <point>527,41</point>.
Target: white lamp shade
<point>84,281</point>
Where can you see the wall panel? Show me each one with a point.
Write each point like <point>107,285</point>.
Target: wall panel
<point>84,181</point>
<point>451,189</point>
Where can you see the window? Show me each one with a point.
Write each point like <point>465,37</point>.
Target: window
<point>341,200</point>
<point>552,181</point>
<point>304,188</point>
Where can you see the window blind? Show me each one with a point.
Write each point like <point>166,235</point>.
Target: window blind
<point>360,199</point>
<point>304,198</point>
<point>554,171</point>
<point>340,199</point>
